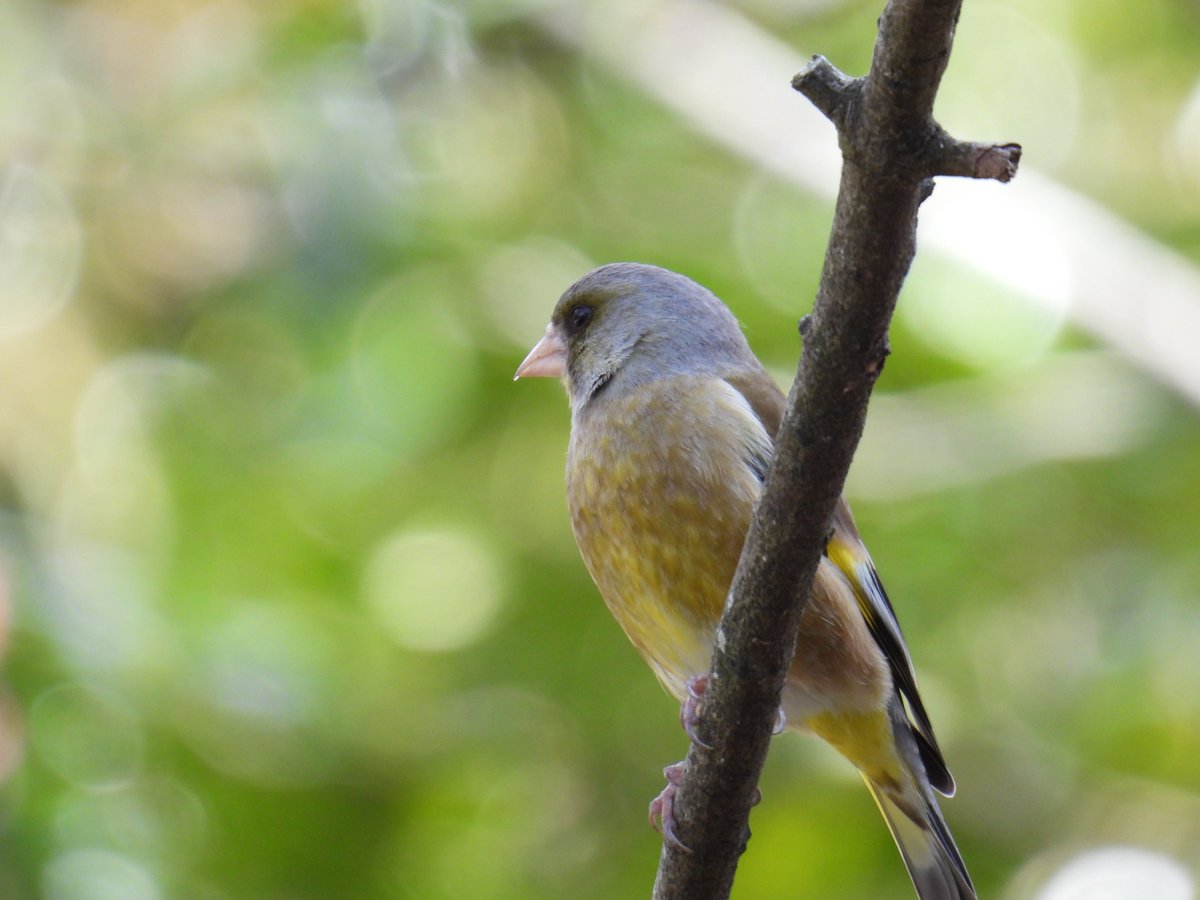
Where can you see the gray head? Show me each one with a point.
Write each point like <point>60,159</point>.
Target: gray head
<point>624,324</point>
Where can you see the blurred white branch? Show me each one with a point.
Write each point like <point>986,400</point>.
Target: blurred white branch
<point>1076,405</point>
<point>730,80</point>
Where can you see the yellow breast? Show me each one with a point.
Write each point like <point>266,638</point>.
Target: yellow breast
<point>660,497</point>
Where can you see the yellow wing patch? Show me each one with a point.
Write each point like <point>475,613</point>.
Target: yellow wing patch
<point>847,558</point>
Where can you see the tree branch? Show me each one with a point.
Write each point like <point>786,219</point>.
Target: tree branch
<point>890,146</point>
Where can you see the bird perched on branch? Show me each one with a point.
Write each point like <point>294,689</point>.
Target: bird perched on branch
<point>672,431</point>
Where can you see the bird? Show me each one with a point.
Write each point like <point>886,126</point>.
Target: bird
<point>673,420</point>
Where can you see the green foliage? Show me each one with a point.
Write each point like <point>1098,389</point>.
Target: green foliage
<point>292,605</point>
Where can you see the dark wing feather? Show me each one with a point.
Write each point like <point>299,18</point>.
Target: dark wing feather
<point>850,555</point>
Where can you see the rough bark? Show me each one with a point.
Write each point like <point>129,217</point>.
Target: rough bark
<point>891,148</point>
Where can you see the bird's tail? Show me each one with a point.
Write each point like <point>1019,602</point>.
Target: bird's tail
<point>934,864</point>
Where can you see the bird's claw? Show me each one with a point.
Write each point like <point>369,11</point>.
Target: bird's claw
<point>662,808</point>
<point>689,711</point>
<point>661,812</point>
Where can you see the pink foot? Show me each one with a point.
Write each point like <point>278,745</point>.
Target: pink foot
<point>661,812</point>
<point>689,711</point>
<point>662,817</point>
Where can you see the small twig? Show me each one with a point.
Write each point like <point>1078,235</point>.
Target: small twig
<point>994,161</point>
<point>933,153</point>
<point>828,88</point>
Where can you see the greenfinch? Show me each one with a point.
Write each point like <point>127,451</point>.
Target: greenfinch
<point>672,429</point>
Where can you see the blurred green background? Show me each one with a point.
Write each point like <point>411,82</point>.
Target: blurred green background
<point>291,608</point>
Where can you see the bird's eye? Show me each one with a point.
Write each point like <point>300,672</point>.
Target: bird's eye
<point>578,317</point>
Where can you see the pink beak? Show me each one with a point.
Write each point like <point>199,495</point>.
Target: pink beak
<point>547,359</point>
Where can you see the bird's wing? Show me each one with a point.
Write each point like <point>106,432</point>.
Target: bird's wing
<point>845,549</point>
<point>762,394</point>
<point>765,400</point>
